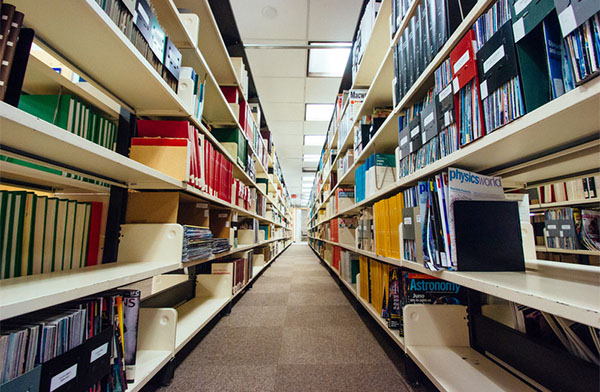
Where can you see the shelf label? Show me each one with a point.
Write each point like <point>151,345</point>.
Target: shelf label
<point>63,377</point>
<point>403,141</point>
<point>99,352</point>
<point>445,92</point>
<point>565,227</point>
<point>520,5</point>
<point>414,132</point>
<point>483,89</point>
<point>447,119</point>
<point>428,119</point>
<point>551,227</point>
<point>567,20</point>
<point>455,85</point>
<point>519,30</point>
<point>461,61</point>
<point>408,220</point>
<point>493,59</point>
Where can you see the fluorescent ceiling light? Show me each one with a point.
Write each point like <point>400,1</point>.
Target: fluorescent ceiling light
<point>318,112</point>
<point>328,62</point>
<point>310,158</point>
<point>314,140</point>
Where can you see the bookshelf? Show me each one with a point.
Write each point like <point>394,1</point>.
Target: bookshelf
<point>91,48</point>
<point>529,151</point>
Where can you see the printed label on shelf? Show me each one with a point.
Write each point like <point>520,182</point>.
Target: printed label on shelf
<point>519,30</point>
<point>520,5</point>
<point>565,227</point>
<point>567,20</point>
<point>551,227</point>
<point>414,132</point>
<point>461,61</point>
<point>403,141</point>
<point>428,119</point>
<point>445,92</point>
<point>408,220</point>
<point>483,89</point>
<point>493,59</point>
<point>455,85</point>
<point>63,377</point>
<point>98,352</point>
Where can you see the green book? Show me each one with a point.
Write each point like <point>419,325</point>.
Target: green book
<point>16,246</point>
<point>86,234</point>
<point>49,234</point>
<point>59,237</point>
<point>30,165</point>
<point>48,107</point>
<point>28,234</point>
<point>6,235</point>
<point>39,234</point>
<point>69,234</point>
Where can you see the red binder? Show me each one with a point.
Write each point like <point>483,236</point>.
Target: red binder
<point>231,94</point>
<point>464,69</point>
<point>159,141</point>
<point>163,128</point>
<point>94,233</point>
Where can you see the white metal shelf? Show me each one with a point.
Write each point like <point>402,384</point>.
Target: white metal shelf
<point>578,202</point>
<point>20,129</point>
<point>34,292</point>
<point>585,252</point>
<point>40,78</point>
<point>569,291</point>
<point>131,79</point>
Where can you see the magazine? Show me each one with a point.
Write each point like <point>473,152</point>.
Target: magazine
<point>465,185</point>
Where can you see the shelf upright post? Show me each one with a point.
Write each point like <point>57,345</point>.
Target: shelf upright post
<point>117,204</point>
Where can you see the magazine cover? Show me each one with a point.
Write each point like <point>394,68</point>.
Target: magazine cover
<point>591,230</point>
<point>465,185</point>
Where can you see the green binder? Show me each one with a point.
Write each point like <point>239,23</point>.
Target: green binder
<point>28,234</point>
<point>46,106</point>
<point>16,239</point>
<point>233,140</point>
<point>531,49</point>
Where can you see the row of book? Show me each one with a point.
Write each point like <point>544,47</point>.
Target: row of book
<point>136,19</point>
<point>490,77</point>
<point>74,115</point>
<point>42,234</point>
<point>368,127</point>
<point>389,288</point>
<point>569,228</point>
<point>57,336</point>
<point>378,172</point>
<point>11,22</point>
<point>571,190</point>
<point>363,35</point>
<point>241,270</point>
<point>203,166</point>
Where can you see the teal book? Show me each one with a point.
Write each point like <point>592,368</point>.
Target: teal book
<point>49,108</point>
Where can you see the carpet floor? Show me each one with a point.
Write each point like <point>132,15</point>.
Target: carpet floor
<point>294,330</point>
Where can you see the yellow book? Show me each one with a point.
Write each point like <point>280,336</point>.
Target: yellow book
<point>393,212</point>
<point>364,277</point>
<point>385,232</point>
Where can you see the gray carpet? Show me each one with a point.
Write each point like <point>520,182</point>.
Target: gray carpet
<point>294,330</point>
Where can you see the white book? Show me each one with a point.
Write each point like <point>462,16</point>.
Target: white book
<point>185,88</point>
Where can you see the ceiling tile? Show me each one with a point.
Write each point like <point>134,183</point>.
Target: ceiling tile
<point>286,126</point>
<point>315,127</point>
<point>278,62</point>
<point>322,90</point>
<point>283,111</point>
<point>333,20</point>
<point>282,90</point>
<point>282,19</point>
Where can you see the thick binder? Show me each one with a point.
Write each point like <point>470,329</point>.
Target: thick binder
<point>497,61</point>
<point>457,10</point>
<point>27,382</point>
<point>572,13</point>
<point>529,22</point>
<point>415,134</point>
<point>462,59</point>
<point>430,116</point>
<point>478,225</point>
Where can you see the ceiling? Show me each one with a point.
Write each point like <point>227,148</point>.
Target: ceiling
<point>280,75</point>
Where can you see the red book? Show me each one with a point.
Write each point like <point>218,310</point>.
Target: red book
<point>159,141</point>
<point>163,128</point>
<point>192,178</point>
<point>198,157</point>
<point>231,94</point>
<point>94,233</point>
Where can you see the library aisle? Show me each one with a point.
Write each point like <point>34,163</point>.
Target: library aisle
<point>294,330</point>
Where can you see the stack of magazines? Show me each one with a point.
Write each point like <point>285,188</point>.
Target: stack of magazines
<point>197,243</point>
<point>220,245</point>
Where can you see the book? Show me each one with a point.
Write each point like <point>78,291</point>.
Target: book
<point>10,30</point>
